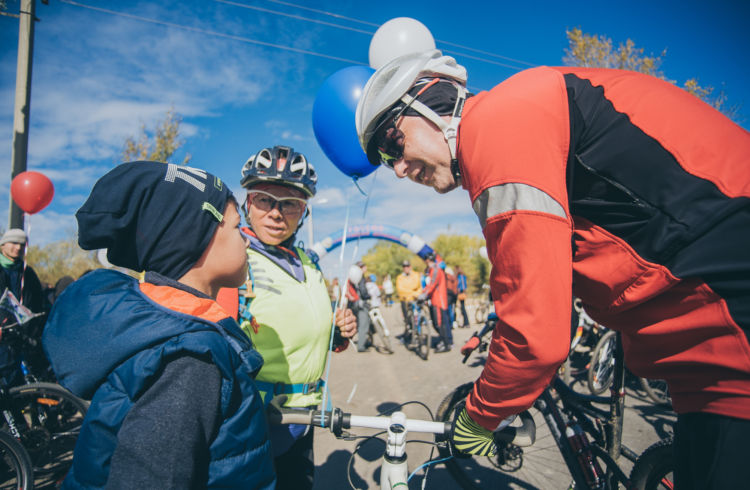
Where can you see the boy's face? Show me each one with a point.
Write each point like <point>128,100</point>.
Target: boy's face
<point>225,258</point>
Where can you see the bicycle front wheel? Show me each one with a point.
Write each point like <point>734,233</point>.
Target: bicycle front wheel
<point>49,419</point>
<point>539,466</point>
<point>15,465</point>
<point>654,468</point>
<point>602,366</point>
<point>480,314</point>
<point>423,338</point>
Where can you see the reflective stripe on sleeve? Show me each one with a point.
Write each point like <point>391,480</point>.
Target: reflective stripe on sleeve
<point>514,196</point>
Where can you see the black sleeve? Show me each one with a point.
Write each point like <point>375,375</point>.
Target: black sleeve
<point>362,289</point>
<point>164,440</point>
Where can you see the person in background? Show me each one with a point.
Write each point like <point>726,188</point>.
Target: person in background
<point>388,290</point>
<point>408,287</point>
<point>437,292</point>
<point>285,307</point>
<point>373,290</point>
<point>451,283</point>
<point>21,280</point>
<point>462,287</point>
<point>357,299</point>
<point>334,291</point>
<point>169,373</point>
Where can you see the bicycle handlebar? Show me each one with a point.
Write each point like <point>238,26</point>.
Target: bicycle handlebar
<point>337,420</point>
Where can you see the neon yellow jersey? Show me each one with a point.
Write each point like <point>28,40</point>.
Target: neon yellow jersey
<point>294,325</point>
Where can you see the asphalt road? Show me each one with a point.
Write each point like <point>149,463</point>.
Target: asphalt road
<point>370,382</point>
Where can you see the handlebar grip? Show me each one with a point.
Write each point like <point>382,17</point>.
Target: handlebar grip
<point>523,436</point>
<point>469,347</point>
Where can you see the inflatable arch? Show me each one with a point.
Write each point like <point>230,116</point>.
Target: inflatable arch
<point>380,232</point>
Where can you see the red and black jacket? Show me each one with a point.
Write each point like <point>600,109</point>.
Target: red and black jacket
<point>631,194</point>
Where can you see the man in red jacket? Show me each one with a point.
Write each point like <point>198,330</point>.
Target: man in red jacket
<point>436,291</point>
<point>613,185</point>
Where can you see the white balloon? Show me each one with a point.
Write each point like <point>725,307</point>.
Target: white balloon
<point>483,252</point>
<point>397,37</point>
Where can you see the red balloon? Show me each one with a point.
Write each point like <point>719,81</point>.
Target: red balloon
<point>32,191</point>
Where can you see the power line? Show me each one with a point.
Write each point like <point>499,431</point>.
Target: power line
<point>209,32</point>
<point>298,17</point>
<point>331,14</point>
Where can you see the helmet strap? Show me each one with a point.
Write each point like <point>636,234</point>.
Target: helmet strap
<point>449,129</point>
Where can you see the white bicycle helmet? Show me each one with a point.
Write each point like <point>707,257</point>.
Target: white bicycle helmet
<point>390,85</point>
<point>280,165</point>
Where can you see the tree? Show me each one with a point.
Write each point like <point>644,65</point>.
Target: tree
<point>166,141</point>
<point>463,250</point>
<point>592,50</point>
<point>62,258</point>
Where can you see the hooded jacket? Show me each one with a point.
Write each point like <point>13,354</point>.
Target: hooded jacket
<point>109,338</point>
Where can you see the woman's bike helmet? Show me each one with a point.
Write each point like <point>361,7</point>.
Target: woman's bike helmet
<point>280,165</point>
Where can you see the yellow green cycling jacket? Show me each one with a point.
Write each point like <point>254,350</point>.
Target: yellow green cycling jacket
<point>291,328</point>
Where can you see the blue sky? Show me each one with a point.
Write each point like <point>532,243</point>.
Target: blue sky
<point>98,76</point>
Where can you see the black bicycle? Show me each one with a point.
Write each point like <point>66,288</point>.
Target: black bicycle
<point>45,418</point>
<point>16,472</point>
<point>417,336</point>
<point>587,442</point>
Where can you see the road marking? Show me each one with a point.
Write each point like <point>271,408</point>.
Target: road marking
<point>351,395</point>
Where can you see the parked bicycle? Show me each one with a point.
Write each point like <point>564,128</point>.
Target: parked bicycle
<point>586,437</point>
<point>601,372</point>
<point>484,307</point>
<point>379,329</point>
<point>16,472</point>
<point>46,419</point>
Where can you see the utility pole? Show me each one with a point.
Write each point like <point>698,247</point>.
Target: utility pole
<point>23,102</point>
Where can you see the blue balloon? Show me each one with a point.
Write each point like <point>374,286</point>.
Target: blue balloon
<point>333,120</point>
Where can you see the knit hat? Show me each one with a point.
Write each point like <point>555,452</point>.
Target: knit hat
<point>153,216</point>
<point>14,235</point>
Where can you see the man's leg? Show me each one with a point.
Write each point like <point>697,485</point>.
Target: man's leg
<point>363,329</point>
<point>711,452</point>
<point>463,311</point>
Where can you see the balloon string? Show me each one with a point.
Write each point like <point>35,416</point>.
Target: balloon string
<point>356,183</point>
<point>342,288</point>
<point>27,226</point>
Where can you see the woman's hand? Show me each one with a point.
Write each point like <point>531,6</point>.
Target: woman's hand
<point>347,322</point>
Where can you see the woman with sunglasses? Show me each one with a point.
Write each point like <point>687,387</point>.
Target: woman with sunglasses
<point>285,307</point>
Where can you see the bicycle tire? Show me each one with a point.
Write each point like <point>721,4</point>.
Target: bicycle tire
<point>49,419</point>
<point>423,339</point>
<point>539,466</point>
<point>657,390</point>
<point>480,314</point>
<point>16,471</point>
<point>385,340</point>
<point>654,467</point>
<point>601,367</point>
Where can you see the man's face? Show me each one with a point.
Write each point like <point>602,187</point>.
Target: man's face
<point>13,251</point>
<point>426,156</point>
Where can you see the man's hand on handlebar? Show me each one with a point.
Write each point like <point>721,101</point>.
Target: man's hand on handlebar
<point>468,437</point>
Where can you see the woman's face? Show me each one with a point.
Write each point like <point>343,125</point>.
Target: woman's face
<point>274,211</point>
